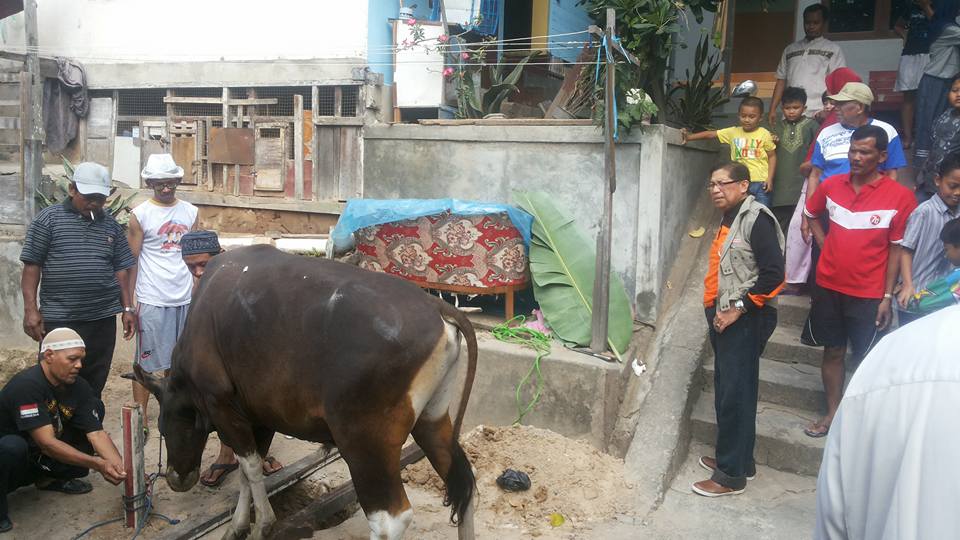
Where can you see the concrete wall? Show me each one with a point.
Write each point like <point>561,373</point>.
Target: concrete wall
<point>11,301</point>
<point>657,182</point>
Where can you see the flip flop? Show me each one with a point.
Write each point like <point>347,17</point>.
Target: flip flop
<point>273,462</point>
<point>227,468</point>
<point>817,433</point>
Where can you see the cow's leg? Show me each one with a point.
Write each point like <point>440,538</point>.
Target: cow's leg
<point>252,466</point>
<point>435,438</point>
<point>374,464</point>
<point>240,523</point>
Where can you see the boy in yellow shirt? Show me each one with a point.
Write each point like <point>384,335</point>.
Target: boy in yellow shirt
<point>750,145</point>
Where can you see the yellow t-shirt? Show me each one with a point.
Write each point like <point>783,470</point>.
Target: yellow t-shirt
<point>750,148</point>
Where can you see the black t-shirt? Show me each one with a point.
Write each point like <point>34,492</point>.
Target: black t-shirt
<point>918,31</point>
<point>29,401</point>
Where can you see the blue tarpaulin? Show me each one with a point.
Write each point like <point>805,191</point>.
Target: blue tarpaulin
<point>360,213</point>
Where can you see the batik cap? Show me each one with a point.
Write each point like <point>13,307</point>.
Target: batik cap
<point>196,242</point>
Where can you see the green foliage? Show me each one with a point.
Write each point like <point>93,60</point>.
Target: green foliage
<point>562,264</point>
<point>116,205</point>
<point>477,104</point>
<point>692,103</point>
<point>647,28</point>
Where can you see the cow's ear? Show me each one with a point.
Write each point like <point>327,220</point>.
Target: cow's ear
<point>151,382</point>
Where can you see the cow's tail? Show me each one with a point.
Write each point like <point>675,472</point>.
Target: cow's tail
<point>460,479</point>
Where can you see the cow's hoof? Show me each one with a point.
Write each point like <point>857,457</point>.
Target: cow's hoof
<point>260,533</point>
<point>234,534</point>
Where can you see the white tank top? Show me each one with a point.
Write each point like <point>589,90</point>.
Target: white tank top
<point>162,278</point>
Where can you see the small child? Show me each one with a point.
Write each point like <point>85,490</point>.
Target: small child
<point>946,290</point>
<point>794,133</point>
<point>750,145</point>
<point>923,260</point>
<point>945,137</point>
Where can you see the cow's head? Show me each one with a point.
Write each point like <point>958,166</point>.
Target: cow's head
<point>183,426</point>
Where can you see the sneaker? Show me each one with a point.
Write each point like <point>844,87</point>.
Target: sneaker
<point>710,464</point>
<point>709,488</point>
<point>70,487</point>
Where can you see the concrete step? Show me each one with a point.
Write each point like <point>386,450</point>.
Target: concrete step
<point>793,385</point>
<point>781,443</point>
<point>792,310</point>
<point>784,346</point>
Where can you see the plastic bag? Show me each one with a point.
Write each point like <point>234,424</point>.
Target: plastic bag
<point>512,480</point>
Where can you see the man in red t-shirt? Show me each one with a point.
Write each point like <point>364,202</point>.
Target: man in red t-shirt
<point>859,260</point>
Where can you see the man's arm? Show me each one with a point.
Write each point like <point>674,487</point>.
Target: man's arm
<point>32,320</point>
<point>775,100</point>
<point>813,180</point>
<point>129,319</point>
<point>885,310</point>
<point>64,453</point>
<point>113,470</point>
<point>135,239</point>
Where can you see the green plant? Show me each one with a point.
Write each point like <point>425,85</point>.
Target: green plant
<point>472,103</point>
<point>562,264</point>
<point>117,206</point>
<point>692,103</point>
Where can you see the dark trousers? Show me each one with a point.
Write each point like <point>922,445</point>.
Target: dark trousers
<point>21,465</point>
<point>100,337</point>
<point>736,379</point>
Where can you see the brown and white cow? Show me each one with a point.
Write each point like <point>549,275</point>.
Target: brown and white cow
<point>325,352</point>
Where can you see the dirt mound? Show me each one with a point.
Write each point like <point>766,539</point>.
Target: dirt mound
<point>568,477</point>
<point>12,361</point>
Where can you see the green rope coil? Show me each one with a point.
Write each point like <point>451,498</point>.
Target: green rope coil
<point>534,339</point>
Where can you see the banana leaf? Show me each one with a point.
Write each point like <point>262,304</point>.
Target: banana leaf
<point>562,264</point>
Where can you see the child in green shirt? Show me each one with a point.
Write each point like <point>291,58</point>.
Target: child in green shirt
<point>794,132</point>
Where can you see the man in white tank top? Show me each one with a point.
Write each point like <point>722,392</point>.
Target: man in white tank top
<point>162,281</point>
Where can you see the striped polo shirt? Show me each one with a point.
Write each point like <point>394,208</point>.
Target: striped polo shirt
<point>862,227</point>
<point>79,259</point>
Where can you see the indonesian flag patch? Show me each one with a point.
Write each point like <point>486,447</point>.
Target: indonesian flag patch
<point>29,411</point>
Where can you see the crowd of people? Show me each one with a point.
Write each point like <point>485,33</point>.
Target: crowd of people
<point>88,269</point>
<point>815,203</point>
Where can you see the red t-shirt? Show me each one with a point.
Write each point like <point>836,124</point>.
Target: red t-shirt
<point>862,227</point>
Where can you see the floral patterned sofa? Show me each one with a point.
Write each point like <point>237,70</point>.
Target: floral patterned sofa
<point>478,254</point>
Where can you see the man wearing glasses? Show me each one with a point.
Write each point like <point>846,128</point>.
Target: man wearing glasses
<point>161,280</point>
<point>82,255</point>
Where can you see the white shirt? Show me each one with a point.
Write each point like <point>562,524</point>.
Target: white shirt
<point>805,64</point>
<point>162,278</point>
<point>890,469</point>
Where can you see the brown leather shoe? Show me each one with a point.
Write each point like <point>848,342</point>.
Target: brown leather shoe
<point>709,488</point>
<point>710,464</point>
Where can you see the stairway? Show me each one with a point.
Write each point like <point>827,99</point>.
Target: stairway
<point>791,396</point>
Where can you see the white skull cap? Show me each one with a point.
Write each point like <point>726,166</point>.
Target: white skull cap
<point>61,338</point>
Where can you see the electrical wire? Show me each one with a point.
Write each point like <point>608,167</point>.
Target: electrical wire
<point>533,339</point>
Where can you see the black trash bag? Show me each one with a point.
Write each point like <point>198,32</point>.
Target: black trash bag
<point>512,480</point>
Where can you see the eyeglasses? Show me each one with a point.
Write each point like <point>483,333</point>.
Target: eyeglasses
<point>719,185</point>
<point>160,186</point>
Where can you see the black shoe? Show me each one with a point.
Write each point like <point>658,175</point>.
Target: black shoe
<point>5,525</point>
<point>70,487</point>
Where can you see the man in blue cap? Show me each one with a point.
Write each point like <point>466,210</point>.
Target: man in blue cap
<point>82,254</point>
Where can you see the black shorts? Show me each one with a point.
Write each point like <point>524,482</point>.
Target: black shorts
<point>836,319</point>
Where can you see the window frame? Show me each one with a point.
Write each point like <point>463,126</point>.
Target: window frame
<point>881,24</point>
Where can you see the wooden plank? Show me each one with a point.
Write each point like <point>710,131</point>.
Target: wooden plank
<point>231,145</point>
<point>325,162</point>
<point>310,518</point>
<point>183,146</point>
<point>219,100</point>
<point>338,101</point>
<point>297,146</point>
<point>280,480</point>
<point>262,203</point>
<point>337,121</point>
<point>48,66</point>
<point>315,144</point>
<point>351,164</point>
<point>569,86</point>
<point>508,122</point>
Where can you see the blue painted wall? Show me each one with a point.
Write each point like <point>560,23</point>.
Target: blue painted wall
<point>380,36</point>
<point>567,16</point>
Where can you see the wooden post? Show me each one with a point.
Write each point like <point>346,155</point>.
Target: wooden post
<point>315,145</point>
<point>729,6</point>
<point>32,123</point>
<point>135,485</point>
<point>298,146</point>
<point>601,281</point>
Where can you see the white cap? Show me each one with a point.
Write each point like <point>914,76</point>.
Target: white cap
<point>161,167</point>
<point>61,338</point>
<point>92,178</point>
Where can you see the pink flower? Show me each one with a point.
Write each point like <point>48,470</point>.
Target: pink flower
<point>447,71</point>
<point>406,43</point>
<point>465,56</point>
<point>442,38</point>
<point>411,21</point>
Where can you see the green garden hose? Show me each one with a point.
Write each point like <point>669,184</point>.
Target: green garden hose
<point>534,339</point>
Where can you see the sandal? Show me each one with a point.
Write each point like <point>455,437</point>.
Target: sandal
<point>225,468</point>
<point>70,487</point>
<point>816,431</point>
<point>272,462</point>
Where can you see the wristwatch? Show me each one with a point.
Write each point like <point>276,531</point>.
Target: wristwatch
<point>129,309</point>
<point>739,306</point>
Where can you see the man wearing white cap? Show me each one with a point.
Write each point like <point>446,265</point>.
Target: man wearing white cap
<point>84,258</point>
<point>162,280</point>
<point>51,431</point>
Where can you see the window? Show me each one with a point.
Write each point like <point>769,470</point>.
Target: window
<point>864,19</point>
